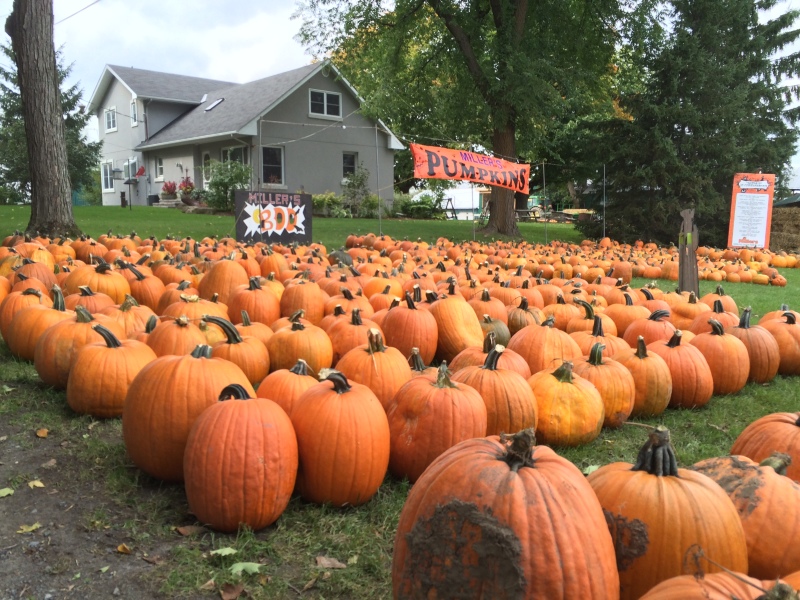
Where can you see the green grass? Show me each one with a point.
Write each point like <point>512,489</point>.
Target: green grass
<point>159,222</point>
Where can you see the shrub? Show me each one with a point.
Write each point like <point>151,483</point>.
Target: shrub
<point>423,206</point>
<point>169,188</point>
<point>327,204</point>
<point>356,190</point>
<point>225,178</point>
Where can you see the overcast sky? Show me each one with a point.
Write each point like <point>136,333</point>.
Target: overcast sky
<point>232,40</point>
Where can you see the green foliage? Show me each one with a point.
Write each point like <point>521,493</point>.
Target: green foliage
<point>83,156</point>
<point>328,204</point>
<point>225,178</point>
<point>356,193</point>
<point>92,194</point>
<point>712,105</point>
<point>422,206</point>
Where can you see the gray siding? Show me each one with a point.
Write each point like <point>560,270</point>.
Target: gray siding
<point>160,114</point>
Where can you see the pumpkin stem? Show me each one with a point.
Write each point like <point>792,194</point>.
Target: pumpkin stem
<point>58,298</point>
<point>255,284</point>
<point>489,342</point>
<point>296,316</point>
<point>778,461</point>
<point>641,348</point>
<point>658,315</point>
<point>596,354</point>
<point>201,351</point>
<point>564,372</point>
<point>491,359</point>
<point>519,450</point>
<point>233,391</point>
<point>718,308</point>
<point>375,341</point>
<point>790,318</point>
<point>227,328</point>
<point>597,328</point>
<point>337,378</point>
<point>549,322</point>
<point>744,320</point>
<point>416,361</point>
<point>716,327</point>
<point>587,308</point>
<point>355,315</point>
<point>151,324</point>
<point>85,291</point>
<point>657,456</point>
<point>675,340</point>
<point>780,591</point>
<point>109,338</point>
<point>443,377</point>
<point>82,315</point>
<point>246,319</point>
<point>300,367</point>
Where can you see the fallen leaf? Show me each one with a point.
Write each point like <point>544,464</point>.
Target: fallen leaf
<point>123,549</point>
<point>3,438</point>
<point>6,492</point>
<point>49,464</point>
<point>42,433</point>
<point>208,585</point>
<point>352,560</point>
<point>326,575</point>
<point>309,585</point>
<point>154,560</point>
<point>35,484</point>
<point>227,551</point>
<point>264,579</point>
<point>247,567</point>
<point>28,528</point>
<point>76,576</point>
<point>7,390</point>
<point>590,469</point>
<point>187,530</point>
<point>230,591</point>
<point>103,569</point>
<point>93,424</point>
<point>326,562</point>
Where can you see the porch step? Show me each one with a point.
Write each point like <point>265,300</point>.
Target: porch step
<point>168,204</point>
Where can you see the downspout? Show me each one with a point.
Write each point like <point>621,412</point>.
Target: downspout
<point>378,181</point>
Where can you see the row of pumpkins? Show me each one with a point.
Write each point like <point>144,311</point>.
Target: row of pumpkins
<point>560,373</point>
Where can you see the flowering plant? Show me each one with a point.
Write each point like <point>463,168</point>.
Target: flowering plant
<point>169,187</point>
<point>186,186</point>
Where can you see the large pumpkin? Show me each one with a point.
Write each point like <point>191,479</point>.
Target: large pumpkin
<point>726,356</point>
<point>762,348</point>
<point>613,381</point>
<point>240,462</point>
<point>163,402</point>
<point>657,513</point>
<point>651,378</point>
<point>777,432</point>
<point>285,386</point>
<point>787,334</point>
<point>692,382</point>
<point>543,346</point>
<point>502,518</point>
<point>714,586</point>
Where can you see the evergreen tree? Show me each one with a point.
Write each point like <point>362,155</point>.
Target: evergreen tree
<point>713,104</point>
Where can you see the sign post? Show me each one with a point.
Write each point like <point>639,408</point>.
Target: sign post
<point>272,217</point>
<point>751,210</point>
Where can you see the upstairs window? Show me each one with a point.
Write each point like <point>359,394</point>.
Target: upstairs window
<point>111,118</point>
<point>325,104</point>
<point>134,116</point>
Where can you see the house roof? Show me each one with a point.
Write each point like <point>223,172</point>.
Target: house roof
<point>788,201</point>
<point>241,104</point>
<point>154,85</point>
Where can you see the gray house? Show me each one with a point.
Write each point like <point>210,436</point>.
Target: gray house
<point>299,130</point>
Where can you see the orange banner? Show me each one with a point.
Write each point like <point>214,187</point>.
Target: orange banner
<point>431,162</point>
<point>751,210</point>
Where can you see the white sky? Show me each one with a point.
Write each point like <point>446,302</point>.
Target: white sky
<point>233,40</point>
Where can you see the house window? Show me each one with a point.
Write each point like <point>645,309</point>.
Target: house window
<point>111,118</point>
<point>159,169</point>
<point>134,117</point>
<point>325,104</point>
<point>206,169</point>
<point>108,176</point>
<point>237,153</point>
<point>272,165</point>
<point>130,167</point>
<point>349,162</point>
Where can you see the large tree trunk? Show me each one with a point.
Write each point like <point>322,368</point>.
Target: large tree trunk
<point>30,26</point>
<point>502,218</point>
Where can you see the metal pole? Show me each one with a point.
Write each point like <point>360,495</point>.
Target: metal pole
<point>604,200</point>
<point>378,181</point>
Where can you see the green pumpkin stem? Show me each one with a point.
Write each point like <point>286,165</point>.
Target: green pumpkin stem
<point>374,340</point>
<point>491,359</point>
<point>744,320</point>
<point>255,284</point>
<point>58,298</point>
<point>549,322</point>
<point>201,351</point>
<point>82,315</point>
<point>85,291</point>
<point>596,354</point>
<point>227,328</point>
<point>485,297</point>
<point>416,361</point>
<point>587,308</point>
<point>641,348</point>
<point>716,327</point>
<point>300,367</point>
<point>32,292</point>
<point>519,449</point>
<point>778,461</point>
<point>657,456</point>
<point>337,378</point>
<point>108,337</point>
<point>246,319</point>
<point>355,315</point>
<point>791,319</point>
<point>151,324</point>
<point>443,377</point>
<point>298,326</point>
<point>675,340</point>
<point>564,372</point>
<point>296,316</point>
<point>657,315</point>
<point>597,327</point>
<point>234,391</point>
<point>129,303</point>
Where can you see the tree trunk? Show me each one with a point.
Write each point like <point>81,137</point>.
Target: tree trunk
<point>30,27</point>
<point>502,218</point>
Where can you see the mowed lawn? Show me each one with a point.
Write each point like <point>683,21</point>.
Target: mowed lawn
<point>362,538</point>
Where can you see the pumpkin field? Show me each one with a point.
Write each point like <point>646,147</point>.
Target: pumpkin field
<point>388,416</point>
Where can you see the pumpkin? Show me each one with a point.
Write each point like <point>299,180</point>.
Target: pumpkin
<point>101,278</point>
<point>728,303</point>
<point>175,337</point>
<point>163,402</point>
<point>587,321</point>
<point>510,403</point>
<point>248,353</point>
<point>240,462</point>
<point>130,315</point>
<point>701,324</point>
<point>306,296</point>
<point>15,302</point>
<point>684,313</point>
<point>285,386</point>
<point>762,348</point>
<point>657,513</point>
<point>776,432</point>
<point>713,586</point>
<point>726,356</point>
<point>653,328</point>
<point>261,303</point>
<point>692,381</point>
<point>259,331</point>
<point>418,367</point>
<point>570,409</point>
<point>101,373</point>
<point>561,312</point>
<point>787,333</point>
<point>382,369</point>
<point>147,289</point>
<point>342,441</point>
<point>223,278</point>
<point>349,332</point>
<point>523,315</point>
<point>30,322</point>
<point>503,518</point>
<point>613,381</point>
<point>543,346</point>
<point>457,325</point>
<point>497,326</point>
<point>625,313</point>
<point>407,327</point>
<point>651,378</point>
<point>768,503</point>
<point>91,301</point>
<point>586,339</point>
<point>300,341</point>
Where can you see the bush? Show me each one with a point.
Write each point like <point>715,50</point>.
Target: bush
<point>369,207</point>
<point>327,204</point>
<point>423,206</point>
<point>356,191</point>
<point>224,179</point>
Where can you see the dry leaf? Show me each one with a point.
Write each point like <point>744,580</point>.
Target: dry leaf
<point>153,560</point>
<point>208,585</point>
<point>93,424</point>
<point>49,464</point>
<point>28,528</point>
<point>309,585</point>
<point>3,438</point>
<point>188,530</point>
<point>352,560</point>
<point>326,562</point>
<point>264,579</point>
<point>35,484</point>
<point>42,433</point>
<point>6,492</point>
<point>230,591</point>
<point>123,549</point>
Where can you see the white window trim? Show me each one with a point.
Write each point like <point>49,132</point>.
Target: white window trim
<point>105,119</point>
<point>134,114</point>
<point>106,190</point>
<point>158,177</point>
<point>229,148</point>
<point>127,165</point>
<point>275,186</point>
<point>314,115</point>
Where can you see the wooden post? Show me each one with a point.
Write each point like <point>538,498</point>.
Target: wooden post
<point>687,251</point>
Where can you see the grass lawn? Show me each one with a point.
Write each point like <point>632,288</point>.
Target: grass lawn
<point>160,222</point>
<point>123,504</point>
